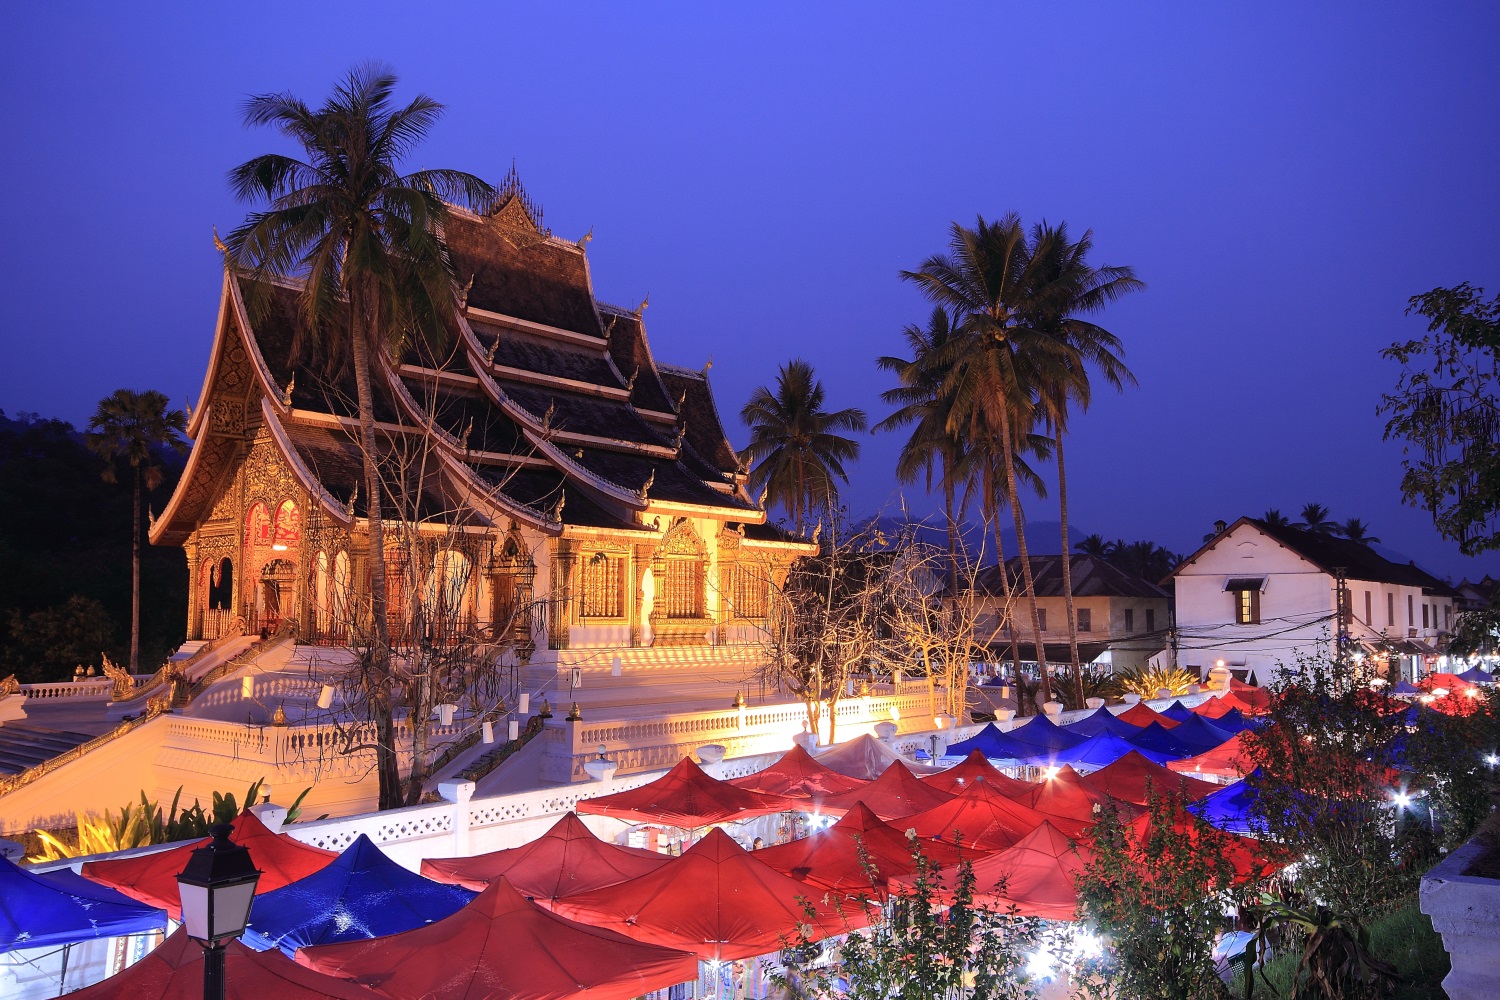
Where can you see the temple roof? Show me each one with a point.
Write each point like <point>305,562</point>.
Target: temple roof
<point>544,395</point>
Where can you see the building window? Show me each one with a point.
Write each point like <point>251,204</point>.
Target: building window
<point>1411,616</point>
<point>683,590</point>
<point>1150,619</point>
<point>1129,620</point>
<point>1085,620</point>
<point>1447,618</point>
<point>1390,609</point>
<point>1247,607</point>
<point>1424,615</point>
<point>1369,614</point>
<point>1041,618</point>
<point>602,586</point>
<point>749,594</point>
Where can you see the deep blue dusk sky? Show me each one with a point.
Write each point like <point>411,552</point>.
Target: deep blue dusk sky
<point>1283,179</point>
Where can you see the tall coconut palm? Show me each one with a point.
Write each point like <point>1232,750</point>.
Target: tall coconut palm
<point>988,280</point>
<point>1093,545</point>
<point>924,405</point>
<point>1274,518</point>
<point>1358,531</point>
<point>1315,518</point>
<point>134,427</point>
<point>795,443</point>
<point>1069,288</point>
<point>367,242</point>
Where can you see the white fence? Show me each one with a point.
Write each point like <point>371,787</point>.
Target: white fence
<point>93,689</point>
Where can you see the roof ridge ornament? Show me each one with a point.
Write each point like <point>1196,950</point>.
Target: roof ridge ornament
<point>584,242</point>
<point>547,417</point>
<point>707,365</point>
<point>463,296</point>
<point>286,394</point>
<point>511,187</point>
<point>681,433</point>
<point>219,244</point>
<point>642,307</point>
<point>353,495</point>
<point>557,508</point>
<point>630,382</point>
<point>645,490</point>
<point>489,357</point>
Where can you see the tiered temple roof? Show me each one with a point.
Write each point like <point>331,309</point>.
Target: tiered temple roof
<point>547,408</point>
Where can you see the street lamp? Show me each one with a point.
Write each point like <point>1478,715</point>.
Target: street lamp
<point>217,887</point>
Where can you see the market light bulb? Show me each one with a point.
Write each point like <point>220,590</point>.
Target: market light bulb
<point>1039,965</point>
<point>1401,799</point>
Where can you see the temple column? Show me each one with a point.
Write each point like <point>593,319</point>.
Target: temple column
<point>728,563</point>
<point>196,599</point>
<point>564,557</point>
<point>639,563</point>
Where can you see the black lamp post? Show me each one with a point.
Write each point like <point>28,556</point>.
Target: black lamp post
<point>217,887</point>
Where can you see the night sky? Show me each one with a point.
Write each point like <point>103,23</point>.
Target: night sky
<point>1282,179</point>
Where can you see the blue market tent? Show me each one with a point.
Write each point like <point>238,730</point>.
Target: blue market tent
<point>360,894</point>
<point>1229,810</point>
<point>1100,722</point>
<point>1232,722</point>
<point>56,908</point>
<point>1475,675</point>
<point>1042,734</point>
<point>994,744</point>
<point>1158,740</point>
<point>1406,687</point>
<point>1096,752</point>
<point>1201,733</point>
<point>1178,712</point>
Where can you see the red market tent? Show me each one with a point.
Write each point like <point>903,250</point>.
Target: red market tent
<point>503,945</point>
<point>686,797</point>
<point>1245,853</point>
<point>894,794</point>
<point>980,817</point>
<point>1215,708</point>
<point>1259,699</point>
<point>566,859</point>
<point>976,765</point>
<point>1127,780</point>
<point>832,859</point>
<point>174,971</point>
<point>1229,760</point>
<point>716,901</point>
<point>866,758</point>
<point>152,878</point>
<point>1066,797</point>
<point>797,774</point>
<point>1142,715</point>
<point>1038,875</point>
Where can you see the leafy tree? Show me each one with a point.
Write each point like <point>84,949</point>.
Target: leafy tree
<point>1315,518</point>
<point>924,943</point>
<point>796,444</point>
<point>367,241</point>
<point>1454,756</point>
<point>47,644</point>
<point>1159,899</point>
<point>134,427</point>
<point>1093,545</point>
<point>1445,409</point>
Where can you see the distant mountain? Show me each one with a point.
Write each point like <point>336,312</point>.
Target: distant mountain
<point>1042,537</point>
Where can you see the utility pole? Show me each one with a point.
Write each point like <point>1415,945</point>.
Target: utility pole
<point>1341,617</point>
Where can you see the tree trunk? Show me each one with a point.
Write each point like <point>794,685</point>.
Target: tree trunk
<point>135,579</point>
<point>1007,451</point>
<point>1067,573</point>
<point>952,531</point>
<point>378,679</point>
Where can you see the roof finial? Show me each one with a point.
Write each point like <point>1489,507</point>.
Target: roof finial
<point>642,307</point>
<point>218,243</point>
<point>817,531</point>
<point>583,243</point>
<point>707,365</point>
<point>681,433</point>
<point>681,398</point>
<point>189,405</point>
<point>489,357</point>
<point>286,394</point>
<point>468,429</point>
<point>557,508</point>
<point>547,417</point>
<point>609,330</point>
<point>463,296</point>
<point>646,486</point>
<point>630,382</point>
<point>353,495</point>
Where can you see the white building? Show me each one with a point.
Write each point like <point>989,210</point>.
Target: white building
<point>1256,594</point>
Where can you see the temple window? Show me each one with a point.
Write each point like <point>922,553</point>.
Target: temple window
<point>683,590</point>
<point>749,592</point>
<point>601,583</point>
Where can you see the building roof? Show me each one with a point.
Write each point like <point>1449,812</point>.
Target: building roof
<point>1091,577</point>
<point>543,395</point>
<point>1330,552</point>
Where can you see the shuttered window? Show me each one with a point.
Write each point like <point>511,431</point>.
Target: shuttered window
<point>602,586</point>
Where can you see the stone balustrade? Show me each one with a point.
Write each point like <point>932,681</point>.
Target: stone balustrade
<point>93,689</point>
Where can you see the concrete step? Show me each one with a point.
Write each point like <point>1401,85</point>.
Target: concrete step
<point>23,746</point>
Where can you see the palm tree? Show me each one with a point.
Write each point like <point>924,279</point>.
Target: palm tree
<point>1274,518</point>
<point>1094,545</point>
<point>1070,287</point>
<point>134,427</point>
<point>1358,531</point>
<point>368,243</point>
<point>999,363</point>
<point>1315,519</point>
<point>795,442</point>
<point>925,406</point>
